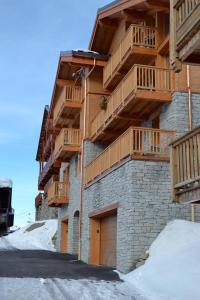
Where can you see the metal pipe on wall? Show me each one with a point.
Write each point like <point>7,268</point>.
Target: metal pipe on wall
<point>86,76</point>
<point>189,99</point>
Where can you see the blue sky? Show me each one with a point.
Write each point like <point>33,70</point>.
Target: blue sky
<point>32,33</point>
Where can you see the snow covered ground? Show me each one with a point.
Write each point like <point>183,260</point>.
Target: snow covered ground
<point>57,289</point>
<point>35,236</point>
<point>172,271</point>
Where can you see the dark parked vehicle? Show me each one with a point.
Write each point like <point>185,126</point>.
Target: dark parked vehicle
<point>6,211</point>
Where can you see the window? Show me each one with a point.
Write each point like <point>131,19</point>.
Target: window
<point>76,166</point>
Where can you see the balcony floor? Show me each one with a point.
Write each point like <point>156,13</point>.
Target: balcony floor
<point>67,113</point>
<point>137,55</point>
<point>66,152</point>
<point>136,109</point>
<point>58,201</point>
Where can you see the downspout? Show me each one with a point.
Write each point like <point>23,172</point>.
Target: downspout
<point>190,125</point>
<point>82,155</point>
<point>189,100</point>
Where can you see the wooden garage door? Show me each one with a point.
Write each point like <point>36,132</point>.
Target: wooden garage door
<point>108,240</point>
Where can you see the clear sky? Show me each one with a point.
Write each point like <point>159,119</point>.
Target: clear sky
<point>32,33</point>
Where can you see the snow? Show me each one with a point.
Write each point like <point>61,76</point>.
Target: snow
<point>62,289</point>
<point>86,51</point>
<point>4,182</point>
<point>172,271</point>
<point>28,238</point>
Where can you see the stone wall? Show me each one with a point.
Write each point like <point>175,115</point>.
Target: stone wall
<point>143,190</point>
<point>44,212</point>
<point>174,116</point>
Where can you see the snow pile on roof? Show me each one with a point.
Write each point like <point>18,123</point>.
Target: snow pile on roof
<point>172,271</point>
<point>35,236</point>
<point>4,182</point>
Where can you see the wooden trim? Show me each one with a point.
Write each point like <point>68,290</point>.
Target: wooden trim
<point>106,211</point>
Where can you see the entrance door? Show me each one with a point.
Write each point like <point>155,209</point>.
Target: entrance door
<point>64,236</point>
<point>108,238</point>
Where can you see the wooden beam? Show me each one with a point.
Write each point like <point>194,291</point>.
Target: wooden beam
<point>62,82</point>
<point>108,23</point>
<point>157,5</point>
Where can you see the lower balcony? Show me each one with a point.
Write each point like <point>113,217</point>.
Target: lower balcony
<point>67,143</point>
<point>58,194</point>
<point>138,143</point>
<point>38,199</point>
<point>50,168</point>
<point>185,165</point>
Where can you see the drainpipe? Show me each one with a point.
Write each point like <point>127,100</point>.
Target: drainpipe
<point>189,99</point>
<point>82,154</point>
<point>190,125</point>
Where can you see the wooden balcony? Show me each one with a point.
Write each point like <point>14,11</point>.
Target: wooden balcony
<point>67,143</point>
<point>38,199</point>
<point>143,90</point>
<point>50,168</point>
<point>185,161</point>
<point>138,46</point>
<point>68,105</point>
<point>137,143</point>
<point>187,30</point>
<point>58,194</point>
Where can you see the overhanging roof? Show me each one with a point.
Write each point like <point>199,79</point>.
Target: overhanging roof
<point>42,132</point>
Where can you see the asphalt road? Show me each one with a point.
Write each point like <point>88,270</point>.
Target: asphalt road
<point>46,264</point>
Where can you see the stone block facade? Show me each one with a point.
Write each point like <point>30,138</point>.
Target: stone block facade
<point>44,212</point>
<point>143,191</point>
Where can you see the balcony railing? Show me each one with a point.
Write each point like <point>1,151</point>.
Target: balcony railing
<point>142,143</point>
<point>184,9</point>
<point>70,96</point>
<point>140,77</point>
<point>58,194</point>
<point>69,139</point>
<point>137,35</point>
<point>185,160</point>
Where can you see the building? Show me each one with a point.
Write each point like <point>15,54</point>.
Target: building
<point>114,111</point>
<point>185,28</point>
<point>6,210</point>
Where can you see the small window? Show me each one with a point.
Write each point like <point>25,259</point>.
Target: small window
<point>76,166</point>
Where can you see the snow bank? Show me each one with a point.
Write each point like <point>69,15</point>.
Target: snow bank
<point>4,182</point>
<point>172,271</point>
<point>35,236</point>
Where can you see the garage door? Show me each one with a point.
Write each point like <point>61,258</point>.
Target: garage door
<point>108,240</point>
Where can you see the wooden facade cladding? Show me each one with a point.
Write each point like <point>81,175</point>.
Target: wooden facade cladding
<point>138,46</point>
<point>141,143</point>
<point>186,26</point>
<point>67,143</point>
<point>142,86</point>
<point>58,194</point>
<point>69,102</point>
<point>185,161</point>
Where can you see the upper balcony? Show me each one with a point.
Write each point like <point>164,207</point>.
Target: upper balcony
<point>67,143</point>
<point>58,194</point>
<point>138,143</point>
<point>68,105</point>
<point>186,25</point>
<point>140,93</point>
<point>138,47</point>
<point>185,160</point>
